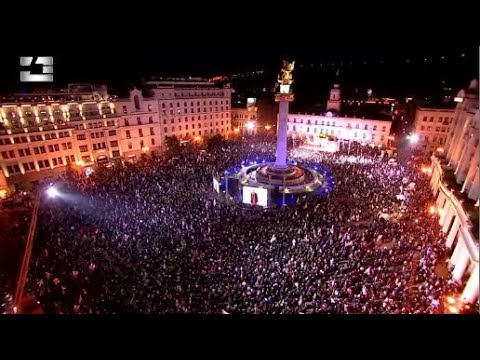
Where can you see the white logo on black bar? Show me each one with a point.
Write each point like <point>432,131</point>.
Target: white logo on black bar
<point>46,66</point>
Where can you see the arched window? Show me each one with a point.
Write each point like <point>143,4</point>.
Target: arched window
<point>136,101</point>
<point>366,127</point>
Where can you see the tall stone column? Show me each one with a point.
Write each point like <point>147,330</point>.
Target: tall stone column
<point>461,265</point>
<point>470,292</point>
<point>283,97</point>
<point>453,233</point>
<point>282,127</point>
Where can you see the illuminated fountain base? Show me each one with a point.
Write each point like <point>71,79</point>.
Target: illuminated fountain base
<point>260,183</point>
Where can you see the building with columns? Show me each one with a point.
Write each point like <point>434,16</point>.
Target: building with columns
<point>455,184</point>
<point>362,130</point>
<point>43,132</point>
<point>360,125</point>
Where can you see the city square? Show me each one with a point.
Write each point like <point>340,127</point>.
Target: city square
<point>314,212</point>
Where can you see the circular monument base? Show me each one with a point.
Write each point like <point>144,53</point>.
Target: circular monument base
<point>290,176</point>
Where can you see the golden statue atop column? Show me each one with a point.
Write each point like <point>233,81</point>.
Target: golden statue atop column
<point>285,76</point>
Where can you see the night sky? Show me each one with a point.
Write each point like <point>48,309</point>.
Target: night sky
<point>388,69</point>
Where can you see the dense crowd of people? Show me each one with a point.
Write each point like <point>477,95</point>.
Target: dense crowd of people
<point>153,237</point>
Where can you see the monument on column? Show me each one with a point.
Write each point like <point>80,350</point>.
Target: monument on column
<point>283,97</point>
<point>281,173</point>
<point>282,177</point>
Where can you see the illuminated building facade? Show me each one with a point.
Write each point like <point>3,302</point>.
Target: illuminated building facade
<point>244,119</point>
<point>42,133</point>
<point>455,184</point>
<point>432,126</point>
<point>365,131</point>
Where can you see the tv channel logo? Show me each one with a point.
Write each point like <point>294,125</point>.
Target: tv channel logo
<point>41,69</point>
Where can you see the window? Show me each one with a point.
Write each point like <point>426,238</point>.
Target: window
<point>130,145</point>
<point>152,132</point>
<point>150,120</point>
<point>366,127</point>
<point>127,123</point>
<point>443,129</point>
<point>308,129</point>
<point>382,137</point>
<point>4,154</point>
<point>374,127</point>
<point>12,169</point>
<point>127,133</point>
<point>165,129</point>
<point>124,108</point>
<point>434,139</point>
<point>116,153</point>
<point>437,129</point>
<point>114,143</point>
<point>140,132</point>
<point>43,164</point>
<point>355,134</point>
<point>81,137</point>
<point>139,121</point>
<point>83,148</point>
<point>422,127</point>
<point>86,158</point>
<point>431,119</point>
<point>153,142</point>
<point>424,118</point>
<point>384,128</point>
<point>364,135</point>
<point>28,166</point>
<point>150,107</point>
<point>54,162</point>
<point>173,128</point>
<point>357,126</point>
<point>142,144</point>
<point>112,133</point>
<point>440,119</point>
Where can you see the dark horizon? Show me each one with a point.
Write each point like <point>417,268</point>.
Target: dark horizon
<point>391,69</point>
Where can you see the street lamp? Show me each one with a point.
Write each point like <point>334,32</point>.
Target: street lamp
<point>52,192</point>
<point>413,138</point>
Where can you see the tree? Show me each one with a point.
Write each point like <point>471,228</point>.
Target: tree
<point>173,146</point>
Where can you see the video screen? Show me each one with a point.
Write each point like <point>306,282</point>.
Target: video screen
<point>255,196</point>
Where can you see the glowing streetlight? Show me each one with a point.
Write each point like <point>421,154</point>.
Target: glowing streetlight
<point>198,138</point>
<point>52,192</point>
<point>236,130</point>
<point>433,210</point>
<point>268,127</point>
<point>250,125</point>
<point>440,150</point>
<point>451,300</point>
<point>413,138</point>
